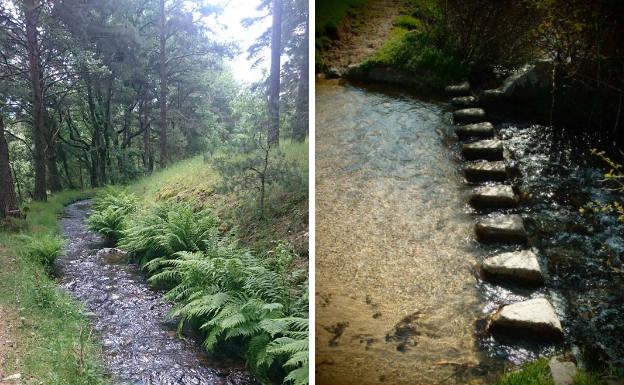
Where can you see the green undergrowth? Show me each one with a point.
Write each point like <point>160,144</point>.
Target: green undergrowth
<point>412,48</point>
<point>538,373</point>
<point>54,341</point>
<point>243,290</point>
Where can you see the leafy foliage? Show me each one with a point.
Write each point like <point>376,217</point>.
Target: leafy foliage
<point>43,248</point>
<point>110,210</point>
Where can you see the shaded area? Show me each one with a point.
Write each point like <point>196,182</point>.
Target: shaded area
<point>139,340</point>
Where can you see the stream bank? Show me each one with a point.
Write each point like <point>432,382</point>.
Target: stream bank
<point>139,339</point>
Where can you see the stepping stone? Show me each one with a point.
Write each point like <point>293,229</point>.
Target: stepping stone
<point>464,101</point>
<point>518,266</point>
<point>469,115</point>
<point>497,196</point>
<point>501,228</point>
<point>533,318</point>
<point>563,372</point>
<point>483,170</point>
<point>458,89</point>
<point>493,94</point>
<point>490,149</point>
<point>477,130</point>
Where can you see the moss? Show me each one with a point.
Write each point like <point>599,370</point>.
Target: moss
<point>409,23</point>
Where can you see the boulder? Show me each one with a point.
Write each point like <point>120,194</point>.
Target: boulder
<point>508,228</point>
<point>562,371</point>
<point>490,149</point>
<point>464,101</point>
<point>518,266</point>
<point>496,196</point>
<point>483,170</point>
<point>476,130</point>
<point>460,89</point>
<point>532,318</point>
<point>469,115</point>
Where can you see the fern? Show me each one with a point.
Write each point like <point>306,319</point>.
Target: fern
<point>43,249</point>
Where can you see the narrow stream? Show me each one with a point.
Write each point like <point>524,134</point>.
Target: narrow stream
<point>140,346</point>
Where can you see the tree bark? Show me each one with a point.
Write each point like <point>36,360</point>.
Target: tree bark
<point>274,80</point>
<point>54,176</point>
<point>163,86</point>
<point>300,128</point>
<point>38,126</point>
<point>8,199</point>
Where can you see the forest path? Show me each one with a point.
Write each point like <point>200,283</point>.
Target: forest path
<point>139,339</point>
<point>360,41</point>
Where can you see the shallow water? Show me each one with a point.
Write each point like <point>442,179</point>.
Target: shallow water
<point>396,294</point>
<point>140,346</point>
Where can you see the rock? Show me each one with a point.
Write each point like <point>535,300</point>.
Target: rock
<point>531,76</point>
<point>333,73</point>
<point>532,318</point>
<point>518,266</point>
<point>458,89</point>
<point>13,377</point>
<point>464,101</point>
<point>497,196</point>
<point>481,171</point>
<point>501,228</point>
<point>492,95</point>
<point>477,130</point>
<point>562,372</point>
<point>469,115</point>
<point>490,149</point>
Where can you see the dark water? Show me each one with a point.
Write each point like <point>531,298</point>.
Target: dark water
<point>399,299</point>
<point>139,340</point>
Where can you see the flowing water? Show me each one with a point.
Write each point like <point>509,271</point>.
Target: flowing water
<point>396,300</point>
<point>140,346</point>
<point>398,296</point>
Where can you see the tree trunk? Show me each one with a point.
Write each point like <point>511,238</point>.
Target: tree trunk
<point>274,81</point>
<point>300,128</point>
<point>163,86</point>
<point>54,176</point>
<point>8,199</point>
<point>38,126</point>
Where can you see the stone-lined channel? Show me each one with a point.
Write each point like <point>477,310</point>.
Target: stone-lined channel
<point>140,346</point>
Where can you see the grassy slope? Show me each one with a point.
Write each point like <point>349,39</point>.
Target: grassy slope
<point>195,180</point>
<point>53,339</point>
<point>329,13</point>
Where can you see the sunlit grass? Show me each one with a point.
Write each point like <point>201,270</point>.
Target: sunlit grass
<point>54,343</point>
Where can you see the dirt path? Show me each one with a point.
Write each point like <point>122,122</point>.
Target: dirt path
<point>361,38</point>
<point>7,342</point>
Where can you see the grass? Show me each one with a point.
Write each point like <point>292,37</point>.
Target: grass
<point>54,341</point>
<point>195,180</point>
<point>329,14</point>
<point>538,373</point>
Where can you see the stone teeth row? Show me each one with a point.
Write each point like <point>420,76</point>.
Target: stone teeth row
<point>535,317</point>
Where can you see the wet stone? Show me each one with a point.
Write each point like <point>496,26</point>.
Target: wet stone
<point>534,318</point>
<point>476,130</point>
<point>464,101</point>
<point>490,149</point>
<point>482,171</point>
<point>518,266</point>
<point>469,115</point>
<point>501,228</point>
<point>496,196</point>
<point>458,89</point>
<point>562,371</point>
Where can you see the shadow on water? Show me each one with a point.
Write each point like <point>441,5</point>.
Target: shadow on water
<point>399,297</point>
<point>139,339</point>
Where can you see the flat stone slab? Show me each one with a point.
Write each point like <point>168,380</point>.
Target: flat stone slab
<point>464,101</point>
<point>501,228</point>
<point>490,149</point>
<point>496,196</point>
<point>476,130</point>
<point>563,372</point>
<point>517,266</point>
<point>534,318</point>
<point>469,115</point>
<point>458,89</point>
<point>483,170</point>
